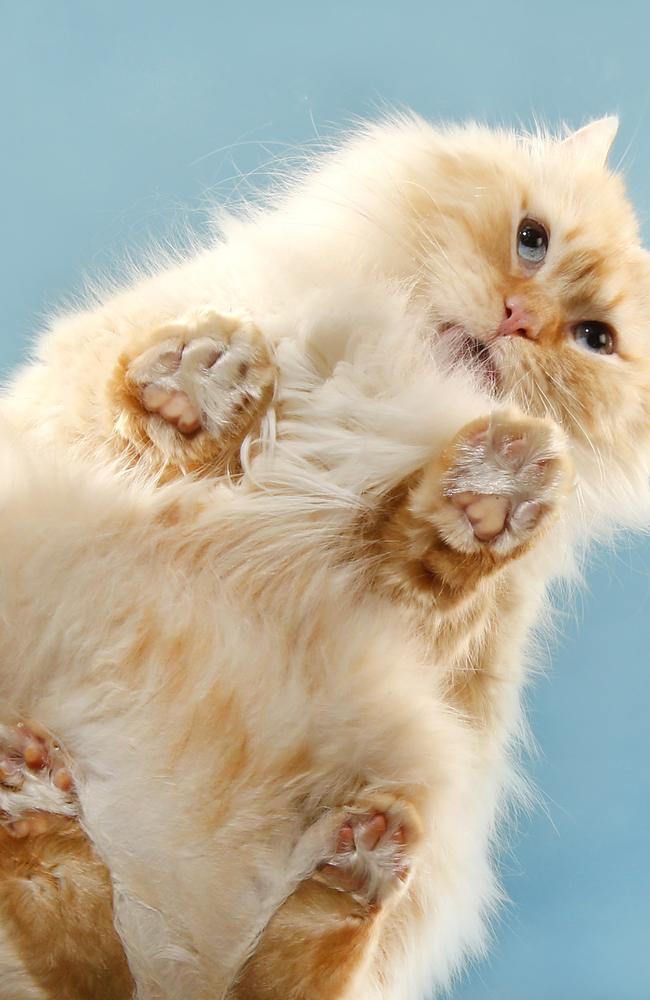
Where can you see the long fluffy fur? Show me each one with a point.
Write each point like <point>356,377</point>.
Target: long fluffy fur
<point>186,640</point>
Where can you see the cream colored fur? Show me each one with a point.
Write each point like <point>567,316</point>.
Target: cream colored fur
<point>193,643</point>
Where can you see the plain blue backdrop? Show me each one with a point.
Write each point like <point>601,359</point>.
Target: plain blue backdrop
<point>121,121</point>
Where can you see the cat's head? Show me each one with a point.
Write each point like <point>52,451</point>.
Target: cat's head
<point>530,264</point>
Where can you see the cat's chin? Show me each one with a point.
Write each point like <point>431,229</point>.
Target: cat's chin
<point>473,354</point>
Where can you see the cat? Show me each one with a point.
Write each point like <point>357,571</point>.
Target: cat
<point>246,738</point>
<point>380,471</point>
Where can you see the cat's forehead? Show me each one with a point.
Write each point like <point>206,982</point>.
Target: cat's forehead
<point>595,267</point>
<point>584,205</point>
<point>595,252</point>
<point>493,179</point>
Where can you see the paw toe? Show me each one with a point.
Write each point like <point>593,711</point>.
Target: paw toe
<point>203,353</point>
<point>154,397</point>
<point>11,774</point>
<point>174,406</point>
<point>345,839</point>
<point>62,779</point>
<point>36,782</point>
<point>370,833</point>
<point>374,849</point>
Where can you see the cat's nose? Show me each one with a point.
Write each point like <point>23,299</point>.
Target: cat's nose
<point>517,321</point>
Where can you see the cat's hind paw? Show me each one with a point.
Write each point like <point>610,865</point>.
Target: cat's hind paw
<point>36,781</point>
<point>375,848</point>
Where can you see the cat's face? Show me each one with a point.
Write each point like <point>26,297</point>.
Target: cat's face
<point>531,264</point>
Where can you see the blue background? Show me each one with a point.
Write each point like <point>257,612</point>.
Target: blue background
<point>121,121</point>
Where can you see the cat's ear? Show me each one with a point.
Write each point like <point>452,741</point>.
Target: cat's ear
<point>595,139</point>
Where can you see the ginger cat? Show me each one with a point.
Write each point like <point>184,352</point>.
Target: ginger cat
<point>310,670</point>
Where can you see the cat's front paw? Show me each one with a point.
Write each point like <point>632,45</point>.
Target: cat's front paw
<point>375,848</point>
<point>206,371</point>
<point>504,478</point>
<point>185,396</point>
<point>36,782</point>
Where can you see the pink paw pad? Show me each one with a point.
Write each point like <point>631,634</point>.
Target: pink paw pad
<point>373,853</point>
<point>487,514</point>
<point>506,476</point>
<point>174,406</point>
<point>28,751</point>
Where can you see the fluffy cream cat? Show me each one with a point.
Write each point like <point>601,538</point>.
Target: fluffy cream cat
<point>316,665</point>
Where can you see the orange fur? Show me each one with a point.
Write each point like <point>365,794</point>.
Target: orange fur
<point>312,948</point>
<point>56,906</point>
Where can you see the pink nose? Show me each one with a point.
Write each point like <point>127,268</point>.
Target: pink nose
<point>517,322</point>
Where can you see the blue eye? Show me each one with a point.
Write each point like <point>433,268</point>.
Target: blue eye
<point>532,241</point>
<point>595,336</point>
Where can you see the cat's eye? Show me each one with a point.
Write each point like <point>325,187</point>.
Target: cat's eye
<point>532,241</point>
<point>595,336</point>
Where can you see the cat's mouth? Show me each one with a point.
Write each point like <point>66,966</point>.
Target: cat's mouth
<point>472,353</point>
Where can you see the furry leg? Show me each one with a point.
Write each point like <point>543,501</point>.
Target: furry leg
<point>484,501</point>
<point>56,912</point>
<point>321,940</point>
